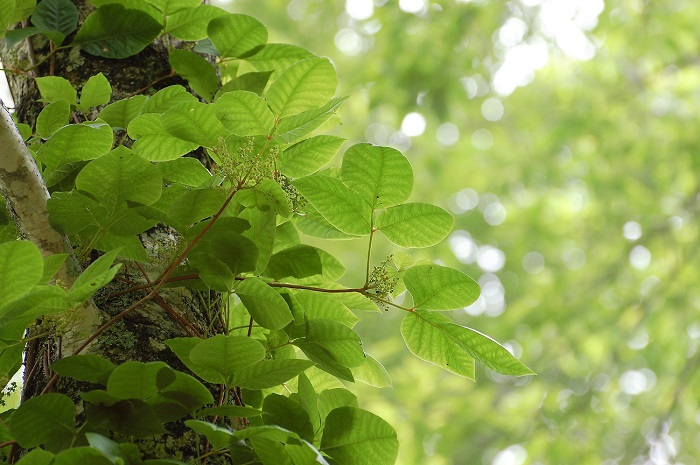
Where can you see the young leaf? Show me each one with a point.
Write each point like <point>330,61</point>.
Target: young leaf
<point>303,86</point>
<point>21,268</point>
<point>265,305</point>
<point>357,437</point>
<point>55,88</point>
<point>119,176</point>
<point>235,34</point>
<point>96,91</point>
<point>56,415</point>
<point>382,176</point>
<point>427,339</point>
<point>113,31</point>
<point>191,23</point>
<point>226,355</point>
<point>52,263</point>
<point>415,224</point>
<point>199,73</point>
<point>436,287</point>
<point>308,156</point>
<point>244,113</point>
<point>265,193</point>
<point>52,118</point>
<point>87,367</point>
<point>337,203</point>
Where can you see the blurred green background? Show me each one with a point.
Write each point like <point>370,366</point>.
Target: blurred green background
<point>563,135</point>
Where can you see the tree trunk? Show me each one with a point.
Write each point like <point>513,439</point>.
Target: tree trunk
<point>139,335</point>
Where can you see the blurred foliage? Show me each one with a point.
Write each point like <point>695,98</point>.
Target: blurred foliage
<point>576,210</point>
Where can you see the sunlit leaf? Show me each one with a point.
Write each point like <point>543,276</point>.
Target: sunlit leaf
<point>435,287</point>
<point>235,34</point>
<point>415,224</point>
<point>305,85</point>
<point>357,437</point>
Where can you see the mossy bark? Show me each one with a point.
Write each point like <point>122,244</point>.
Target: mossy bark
<point>140,335</point>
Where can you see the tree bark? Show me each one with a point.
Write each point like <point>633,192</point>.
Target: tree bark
<point>139,335</point>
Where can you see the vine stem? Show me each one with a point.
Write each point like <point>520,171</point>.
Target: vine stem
<point>369,250</point>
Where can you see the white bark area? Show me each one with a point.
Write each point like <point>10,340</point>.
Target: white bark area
<point>22,185</point>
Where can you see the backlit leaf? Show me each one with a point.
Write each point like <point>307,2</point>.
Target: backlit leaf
<point>265,305</point>
<point>435,287</point>
<point>244,113</point>
<point>357,437</point>
<point>415,224</point>
<point>55,88</point>
<point>227,355</point>
<point>235,34</point>
<point>191,23</point>
<point>305,85</point>
<point>382,176</point>
<point>308,156</point>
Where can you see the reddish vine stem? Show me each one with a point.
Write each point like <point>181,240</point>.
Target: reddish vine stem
<point>151,84</point>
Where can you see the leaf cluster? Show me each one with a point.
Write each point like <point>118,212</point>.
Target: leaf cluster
<point>286,337</point>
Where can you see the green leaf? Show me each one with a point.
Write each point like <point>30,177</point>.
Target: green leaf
<point>94,277</point>
<point>107,447</point>
<point>138,380</point>
<point>381,175</point>
<point>270,373</point>
<point>231,411</point>
<point>218,436</point>
<point>55,88</point>
<point>310,222</point>
<point>73,143</point>
<point>265,305</point>
<point>195,123</point>
<point>428,340</point>
<point>186,171</point>
<point>96,91</point>
<point>303,86</point>
<point>415,224</point>
<point>7,13</point>
<point>295,127</point>
<point>16,36</point>
<point>373,373</point>
<point>154,143</point>
<point>132,417</point>
<point>23,8</point>
<point>227,355</point>
<point>199,73</point>
<point>244,113</point>
<point>287,413</point>
<point>251,82</point>
<point>52,263</point>
<point>72,212</point>
<point>357,437</point>
<point>197,205</point>
<point>308,156</point>
<point>52,118</point>
<point>169,7</point>
<point>308,398</point>
<point>486,351</point>
<point>21,268</point>
<point>119,176</point>
<point>182,346</point>
<point>277,57</point>
<point>56,415</point>
<point>270,451</point>
<point>436,287</point>
<point>235,34</point>
<point>120,113</point>
<point>37,457</point>
<point>87,367</point>
<point>319,306</point>
<point>167,98</point>
<point>57,17</point>
<point>113,31</point>
<point>265,193</point>
<point>331,399</point>
<point>340,341</point>
<point>338,204</point>
<point>191,23</point>
<point>299,261</point>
